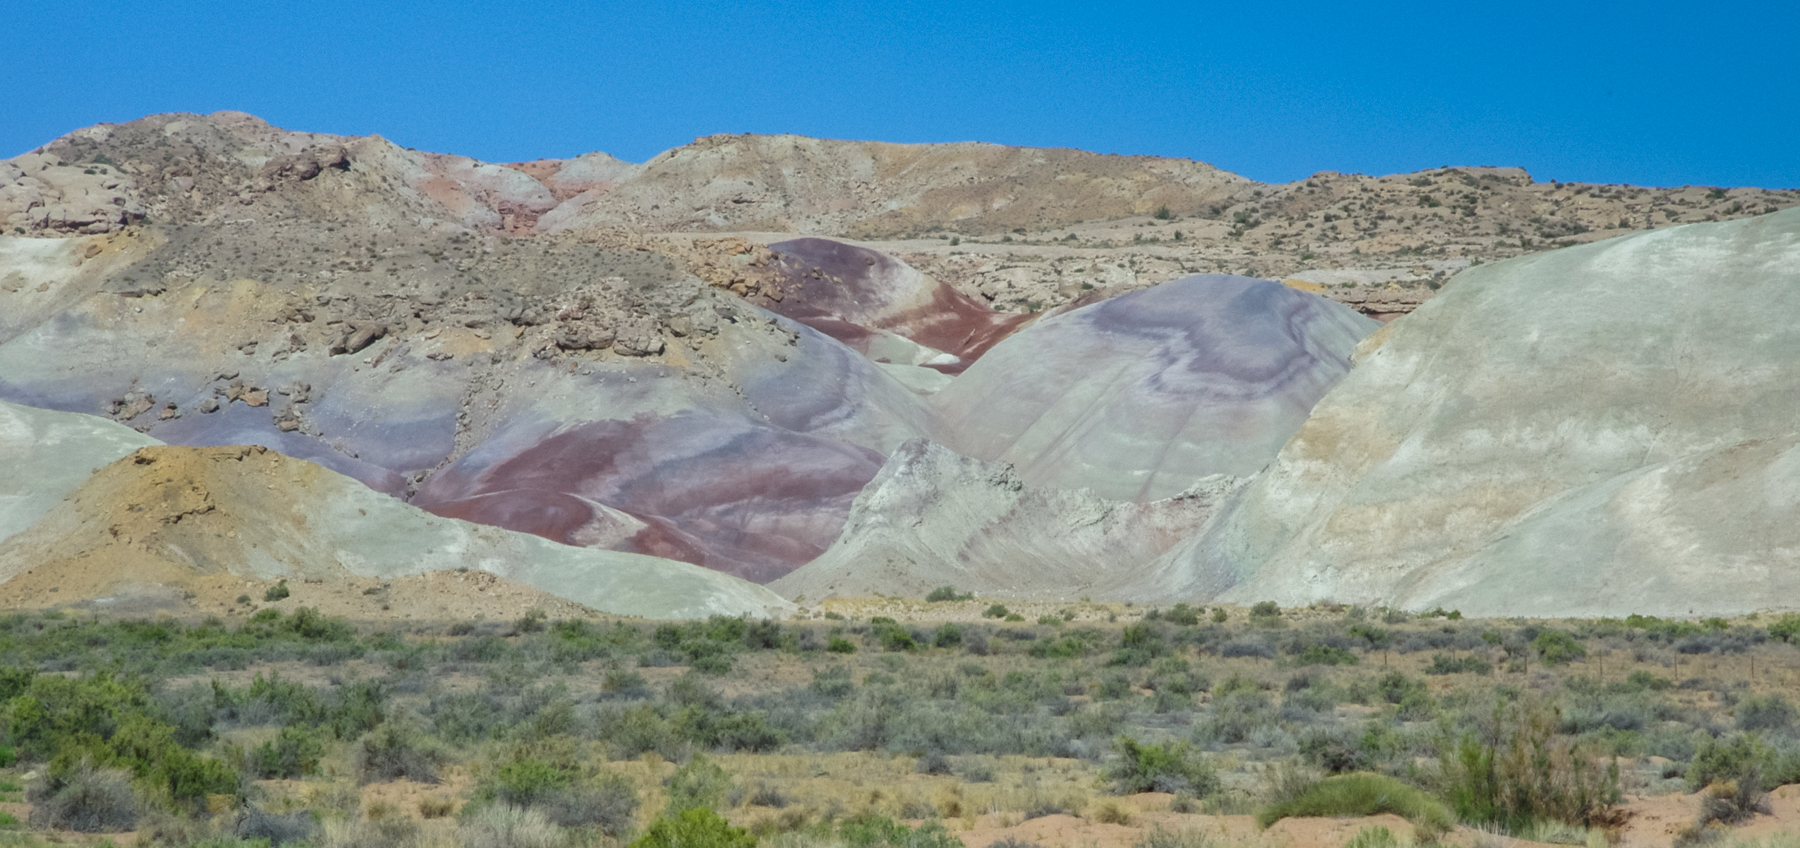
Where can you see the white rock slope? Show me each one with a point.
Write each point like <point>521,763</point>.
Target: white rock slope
<point>1604,429</point>
<point>933,518</point>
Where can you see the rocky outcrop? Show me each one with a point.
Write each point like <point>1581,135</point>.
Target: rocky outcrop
<point>41,194</point>
<point>300,167</point>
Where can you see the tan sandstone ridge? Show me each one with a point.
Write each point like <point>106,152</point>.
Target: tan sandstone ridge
<point>1035,227</point>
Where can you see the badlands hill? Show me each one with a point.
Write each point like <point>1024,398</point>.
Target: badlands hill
<point>1605,428</point>
<point>171,516</point>
<point>839,366</point>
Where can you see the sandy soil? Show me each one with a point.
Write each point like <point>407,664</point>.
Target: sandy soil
<point>437,596</point>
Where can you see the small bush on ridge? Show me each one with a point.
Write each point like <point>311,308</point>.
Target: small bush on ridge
<point>1363,794</point>
<point>1173,768</point>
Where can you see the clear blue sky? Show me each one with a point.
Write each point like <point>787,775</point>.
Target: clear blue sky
<point>1652,92</point>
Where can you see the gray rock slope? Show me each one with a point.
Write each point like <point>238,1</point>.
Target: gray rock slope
<point>1604,429</point>
<point>45,455</point>
<point>1138,396</point>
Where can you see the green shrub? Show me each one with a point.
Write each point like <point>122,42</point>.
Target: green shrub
<point>292,754</point>
<point>875,831</point>
<point>695,828</point>
<point>357,709</point>
<point>1376,637</point>
<point>633,731</point>
<point>713,726</point>
<point>1141,642</point>
<point>84,799</point>
<point>396,752</point>
<point>1640,681</point>
<point>1555,647</point>
<point>715,665</point>
<point>1743,759</point>
<point>1160,837</point>
<point>277,592</point>
<point>1182,615</point>
<point>1067,646</point>
<point>109,723</point>
<point>624,682</point>
<point>1395,686</point>
<point>1764,712</point>
<point>1786,628</point>
<point>1373,837</point>
<point>1172,767</point>
<point>1097,720</point>
<point>1332,749</point>
<point>832,681</point>
<point>948,635</point>
<point>870,829</point>
<point>894,637</point>
<point>1317,654</point>
<point>275,829</point>
<point>1364,794</point>
<point>1519,770</point>
<point>1417,705</point>
<point>840,645</point>
<point>765,635</point>
<point>946,593</point>
<point>1234,717</point>
<point>996,611</point>
<point>1444,664</point>
<point>1732,802</point>
<point>607,805</point>
<point>189,778</point>
<point>506,826</point>
<point>701,784</point>
<point>528,781</point>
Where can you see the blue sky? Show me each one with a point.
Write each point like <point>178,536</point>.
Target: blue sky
<point>1651,93</point>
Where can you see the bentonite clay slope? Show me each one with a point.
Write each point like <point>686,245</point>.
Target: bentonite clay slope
<point>863,298</point>
<point>1140,396</point>
<point>349,302</point>
<point>933,518</point>
<point>45,455</point>
<point>738,444</point>
<point>1601,430</point>
<point>166,513</point>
